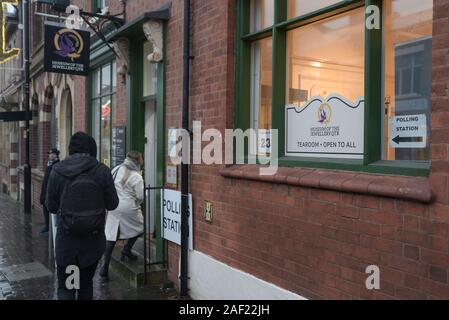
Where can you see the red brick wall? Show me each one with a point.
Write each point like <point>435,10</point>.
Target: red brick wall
<point>80,104</point>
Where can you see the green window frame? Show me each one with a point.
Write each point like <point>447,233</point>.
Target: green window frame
<point>96,99</point>
<point>372,161</point>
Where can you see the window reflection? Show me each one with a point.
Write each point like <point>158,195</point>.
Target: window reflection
<point>104,84</point>
<point>261,83</point>
<point>408,71</point>
<point>262,14</point>
<point>296,8</point>
<point>332,65</point>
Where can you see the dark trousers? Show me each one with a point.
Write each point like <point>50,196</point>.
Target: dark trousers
<point>46,217</point>
<point>86,290</point>
<point>110,248</point>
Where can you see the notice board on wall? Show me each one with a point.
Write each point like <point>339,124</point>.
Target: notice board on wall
<point>118,145</point>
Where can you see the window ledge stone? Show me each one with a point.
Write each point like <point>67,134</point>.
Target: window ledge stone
<point>399,187</point>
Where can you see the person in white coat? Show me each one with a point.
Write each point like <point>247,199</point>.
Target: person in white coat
<point>125,222</point>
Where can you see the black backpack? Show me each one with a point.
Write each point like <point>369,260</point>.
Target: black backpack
<point>82,210</point>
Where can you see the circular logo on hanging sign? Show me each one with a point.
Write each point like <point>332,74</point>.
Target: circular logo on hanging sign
<point>68,44</point>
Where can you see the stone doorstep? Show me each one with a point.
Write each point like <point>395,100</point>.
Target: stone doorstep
<point>133,271</point>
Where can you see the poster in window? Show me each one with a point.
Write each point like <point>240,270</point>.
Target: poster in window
<point>118,146</point>
<point>331,127</point>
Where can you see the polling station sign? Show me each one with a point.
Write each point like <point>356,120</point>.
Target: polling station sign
<point>171,217</point>
<point>408,132</point>
<point>331,127</point>
<point>66,50</point>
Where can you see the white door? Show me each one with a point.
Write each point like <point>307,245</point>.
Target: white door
<point>150,160</point>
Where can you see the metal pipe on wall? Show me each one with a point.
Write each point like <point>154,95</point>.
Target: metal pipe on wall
<point>26,58</point>
<point>185,166</point>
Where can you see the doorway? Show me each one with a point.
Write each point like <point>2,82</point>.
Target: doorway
<point>151,160</point>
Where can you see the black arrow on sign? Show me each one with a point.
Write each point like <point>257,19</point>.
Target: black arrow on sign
<point>400,139</point>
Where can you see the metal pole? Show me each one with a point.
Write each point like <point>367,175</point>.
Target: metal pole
<point>26,54</point>
<point>145,232</point>
<point>185,166</point>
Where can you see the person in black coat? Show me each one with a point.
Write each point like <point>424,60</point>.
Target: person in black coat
<point>53,158</point>
<point>72,250</point>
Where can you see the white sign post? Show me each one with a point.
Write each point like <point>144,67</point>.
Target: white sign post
<point>326,128</point>
<point>408,132</point>
<point>171,217</point>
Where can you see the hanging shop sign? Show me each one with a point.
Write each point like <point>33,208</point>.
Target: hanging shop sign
<point>66,50</point>
<point>408,131</point>
<point>118,146</point>
<point>171,217</point>
<point>325,128</point>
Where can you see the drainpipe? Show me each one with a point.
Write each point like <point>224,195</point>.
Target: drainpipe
<point>185,166</point>
<point>26,51</point>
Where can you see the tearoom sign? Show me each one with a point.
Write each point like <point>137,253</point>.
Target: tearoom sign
<point>326,128</point>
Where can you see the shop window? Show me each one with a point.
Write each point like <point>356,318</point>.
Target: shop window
<point>103,104</point>
<point>408,78</point>
<point>306,63</point>
<point>335,65</point>
<point>261,14</point>
<point>331,68</point>
<point>261,86</point>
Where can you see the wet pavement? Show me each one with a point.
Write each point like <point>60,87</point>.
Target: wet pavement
<point>27,269</point>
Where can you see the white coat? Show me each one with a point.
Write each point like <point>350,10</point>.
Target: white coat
<point>126,221</point>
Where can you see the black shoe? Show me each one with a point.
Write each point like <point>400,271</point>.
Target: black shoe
<point>128,255</point>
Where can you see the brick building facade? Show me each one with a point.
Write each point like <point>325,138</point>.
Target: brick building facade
<point>309,231</point>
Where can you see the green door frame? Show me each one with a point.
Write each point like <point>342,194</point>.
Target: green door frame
<point>136,122</point>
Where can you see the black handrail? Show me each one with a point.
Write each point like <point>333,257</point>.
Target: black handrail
<point>147,253</point>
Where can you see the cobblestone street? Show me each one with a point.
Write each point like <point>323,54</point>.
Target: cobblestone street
<point>26,269</point>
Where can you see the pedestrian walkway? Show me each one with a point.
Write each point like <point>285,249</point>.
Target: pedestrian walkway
<point>27,270</point>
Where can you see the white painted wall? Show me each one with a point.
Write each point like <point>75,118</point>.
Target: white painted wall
<point>211,279</point>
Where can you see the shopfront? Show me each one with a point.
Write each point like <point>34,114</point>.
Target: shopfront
<point>127,103</point>
<point>358,93</point>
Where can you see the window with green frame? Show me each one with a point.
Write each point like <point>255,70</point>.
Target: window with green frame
<point>103,104</point>
<point>317,59</point>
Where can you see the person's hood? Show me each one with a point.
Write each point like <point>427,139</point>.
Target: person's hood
<point>75,164</point>
<point>82,143</point>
